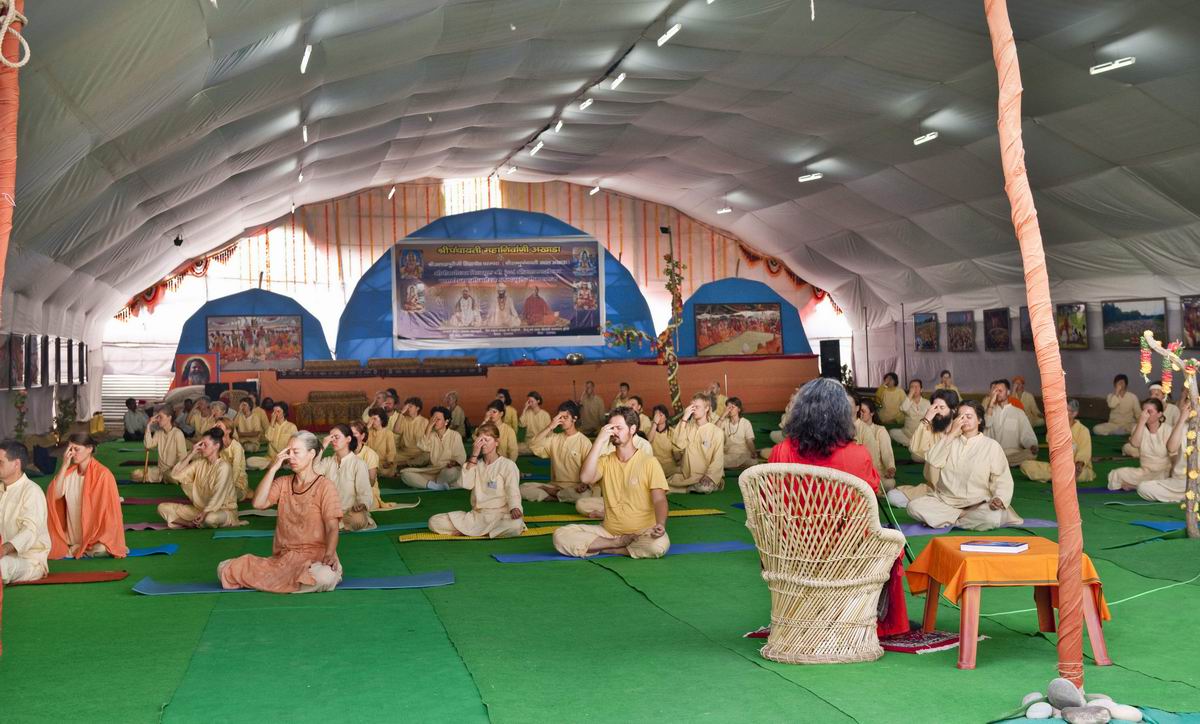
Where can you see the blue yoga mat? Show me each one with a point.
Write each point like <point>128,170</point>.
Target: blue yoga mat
<point>150,587</point>
<point>164,550</point>
<point>740,505</point>
<point>259,533</point>
<point>1162,526</point>
<point>676,550</point>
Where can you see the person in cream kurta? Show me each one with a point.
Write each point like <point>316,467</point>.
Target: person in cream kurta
<point>381,439</point>
<point>370,458</point>
<point>1081,444</point>
<point>878,443</point>
<point>409,428</point>
<point>495,493</point>
<point>889,397</point>
<point>1010,426</point>
<point>279,433</point>
<point>1150,435</point>
<point>380,398</point>
<point>234,454</point>
<point>938,418</point>
<point>591,410</point>
<point>251,425</point>
<point>1028,402</point>
<point>719,399</point>
<point>975,486</point>
<point>659,434</point>
<point>534,419</point>
<point>739,435</point>
<point>26,539</point>
<point>207,481</point>
<point>914,408</point>
<point>946,382</point>
<point>1174,488</point>
<point>1123,408</point>
<point>446,455</point>
<point>168,440</point>
<point>349,475</point>
<point>458,416</point>
<point>566,451</point>
<point>1170,416</point>
<point>701,446</point>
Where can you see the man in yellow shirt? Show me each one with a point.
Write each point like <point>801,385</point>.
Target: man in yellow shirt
<point>207,481</point>
<point>446,455</point>
<point>702,447</point>
<point>635,494</point>
<point>622,397</point>
<point>409,428</point>
<point>635,402</point>
<point>567,451</point>
<point>1081,442</point>
<point>946,382</point>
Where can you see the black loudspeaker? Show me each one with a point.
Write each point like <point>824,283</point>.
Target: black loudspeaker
<point>831,358</point>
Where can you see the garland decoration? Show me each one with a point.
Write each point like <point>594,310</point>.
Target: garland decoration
<point>618,335</point>
<point>666,341</point>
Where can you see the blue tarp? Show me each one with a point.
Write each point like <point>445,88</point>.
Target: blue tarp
<point>194,339</point>
<point>728,291</point>
<point>365,330</point>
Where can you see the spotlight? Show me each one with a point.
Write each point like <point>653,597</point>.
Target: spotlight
<point>724,210</point>
<point>595,190</point>
<point>304,133</point>
<point>558,126</point>
<point>300,179</point>
<point>391,193</point>
<point>304,60</point>
<point>511,170</point>
<point>1112,65</point>
<point>811,177</point>
<point>925,139</point>
<point>664,230</point>
<point>618,81</point>
<point>179,240</point>
<point>669,34</point>
<point>584,106</point>
<point>535,149</point>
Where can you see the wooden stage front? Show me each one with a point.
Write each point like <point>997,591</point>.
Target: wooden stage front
<point>763,384</point>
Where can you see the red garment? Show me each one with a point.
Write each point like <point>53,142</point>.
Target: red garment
<point>854,459</point>
<point>102,520</point>
<point>536,310</point>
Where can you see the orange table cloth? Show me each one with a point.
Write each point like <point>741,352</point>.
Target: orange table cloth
<point>955,569</point>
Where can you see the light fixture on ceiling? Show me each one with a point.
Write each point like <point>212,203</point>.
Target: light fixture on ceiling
<point>595,190</point>
<point>925,139</point>
<point>724,210</point>
<point>618,81</point>
<point>178,239</point>
<point>429,118</point>
<point>662,40</point>
<point>300,178</point>
<point>304,60</point>
<point>558,126</point>
<point>1112,65</point>
<point>512,26</point>
<point>214,4</point>
<point>586,102</point>
<point>304,133</point>
<point>511,170</point>
<point>816,175</point>
<point>391,193</point>
<point>533,151</point>
<point>293,207</point>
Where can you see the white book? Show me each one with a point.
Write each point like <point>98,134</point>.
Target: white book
<point>993,546</point>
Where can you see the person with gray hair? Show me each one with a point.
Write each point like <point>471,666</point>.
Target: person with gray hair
<point>304,558</point>
<point>1081,443</point>
<point>458,416</point>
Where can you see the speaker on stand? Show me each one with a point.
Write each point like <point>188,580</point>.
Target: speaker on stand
<point>831,358</point>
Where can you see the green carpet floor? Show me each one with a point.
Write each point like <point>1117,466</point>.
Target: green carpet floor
<point>602,640</point>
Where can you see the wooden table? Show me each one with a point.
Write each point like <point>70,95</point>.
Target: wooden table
<point>965,574</point>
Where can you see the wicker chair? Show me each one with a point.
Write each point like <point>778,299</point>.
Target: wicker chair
<point>824,558</point>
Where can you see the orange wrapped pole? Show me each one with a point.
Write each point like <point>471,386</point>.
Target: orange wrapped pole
<point>1045,344</point>
<point>11,47</point>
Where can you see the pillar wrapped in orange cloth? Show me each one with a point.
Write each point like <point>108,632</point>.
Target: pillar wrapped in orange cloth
<point>100,513</point>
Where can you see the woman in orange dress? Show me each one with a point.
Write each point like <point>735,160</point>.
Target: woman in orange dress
<point>304,558</point>
<point>83,507</point>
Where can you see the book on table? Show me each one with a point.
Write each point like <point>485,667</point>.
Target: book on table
<point>993,546</point>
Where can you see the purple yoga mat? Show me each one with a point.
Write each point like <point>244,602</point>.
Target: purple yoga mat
<point>145,526</point>
<point>153,501</point>
<point>918,529</point>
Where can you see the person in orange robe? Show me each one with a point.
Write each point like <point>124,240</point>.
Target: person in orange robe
<point>83,507</point>
<point>536,311</point>
<point>304,554</point>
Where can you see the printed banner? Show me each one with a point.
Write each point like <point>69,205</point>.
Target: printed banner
<point>257,342</point>
<point>497,293</point>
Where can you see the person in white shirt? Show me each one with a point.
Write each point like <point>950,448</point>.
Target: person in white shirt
<point>1009,426</point>
<point>1170,415</point>
<point>914,408</point>
<point>135,421</point>
<point>1150,437</point>
<point>23,528</point>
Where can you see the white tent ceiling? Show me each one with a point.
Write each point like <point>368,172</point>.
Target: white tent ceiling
<point>144,118</point>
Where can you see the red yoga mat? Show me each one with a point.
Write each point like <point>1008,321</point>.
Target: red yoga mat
<point>76,577</point>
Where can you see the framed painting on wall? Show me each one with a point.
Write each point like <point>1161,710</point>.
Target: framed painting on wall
<point>997,330</point>
<point>33,358</point>
<point>12,358</point>
<point>1026,330</point>
<point>256,342</point>
<point>1070,324</point>
<point>753,328</point>
<point>1124,321</point>
<point>1190,306</point>
<point>960,331</point>
<point>925,331</point>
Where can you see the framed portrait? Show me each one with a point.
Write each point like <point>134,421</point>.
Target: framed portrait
<point>256,342</point>
<point>196,369</point>
<point>1070,324</point>
<point>925,331</point>
<point>997,330</point>
<point>1125,320</point>
<point>49,376</point>
<point>724,330</point>
<point>1026,330</point>
<point>81,373</point>
<point>33,359</point>
<point>12,359</point>
<point>960,331</point>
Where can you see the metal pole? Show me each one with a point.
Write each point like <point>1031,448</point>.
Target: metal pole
<point>903,346</point>
<point>867,344</point>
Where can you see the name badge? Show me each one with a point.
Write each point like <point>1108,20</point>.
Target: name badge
<point>492,484</point>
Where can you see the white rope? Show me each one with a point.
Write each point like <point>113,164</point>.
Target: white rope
<point>1110,603</point>
<point>10,16</point>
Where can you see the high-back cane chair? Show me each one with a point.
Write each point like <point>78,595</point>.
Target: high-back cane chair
<point>825,560</point>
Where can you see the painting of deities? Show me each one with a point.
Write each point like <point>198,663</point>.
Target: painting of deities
<point>1125,321</point>
<point>738,329</point>
<point>258,342</point>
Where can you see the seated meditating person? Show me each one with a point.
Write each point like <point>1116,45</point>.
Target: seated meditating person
<point>914,408</point>
<point>635,495</point>
<point>622,398</point>
<point>349,475</point>
<point>719,399</point>
<point>946,382</point>
<point>639,407</point>
<point>250,423</point>
<point>1028,403</point>
<point>202,418</point>
<point>135,421</point>
<point>84,509</point>
<point>382,441</point>
<point>739,435</point>
<point>163,436</point>
<point>502,313</point>
<point>660,440</point>
<point>942,406</point>
<point>458,416</point>
<point>233,453</point>
<point>1170,415</point>
<point>1174,488</point>
<point>1009,426</point>
<point>510,413</point>
<point>304,553</point>
<point>495,493</point>
<point>378,401</point>
<point>533,418</point>
<point>279,431</point>
<point>1150,434</point>
<point>409,428</point>
<point>494,413</point>
<point>360,432</point>
<point>701,447</point>
<point>820,431</point>
<point>591,410</point>
<point>207,481</point>
<point>975,486</point>
<point>181,416</point>
<point>24,537</point>
<point>1123,409</point>
<point>1081,444</point>
<point>567,448</point>
<point>875,439</point>
<point>889,397</point>
<point>446,455</point>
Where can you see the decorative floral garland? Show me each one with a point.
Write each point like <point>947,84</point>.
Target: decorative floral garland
<point>21,403</point>
<point>628,336</point>
<point>149,298</point>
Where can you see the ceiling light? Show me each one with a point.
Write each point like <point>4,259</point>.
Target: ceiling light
<point>535,149</point>
<point>293,207</point>
<point>304,60</point>
<point>584,106</point>
<point>429,118</point>
<point>558,126</point>
<point>710,2</point>
<point>669,34</point>
<point>300,180</point>
<point>1112,65</point>
<point>618,81</point>
<point>925,139</point>
<point>512,26</point>
<point>595,190</point>
<point>724,210</point>
<point>811,177</point>
<point>391,193</point>
<point>304,133</point>
<point>511,169</point>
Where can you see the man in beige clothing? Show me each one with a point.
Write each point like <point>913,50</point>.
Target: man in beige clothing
<point>702,447</point>
<point>207,481</point>
<point>446,455</point>
<point>1123,409</point>
<point>25,537</point>
<point>591,410</point>
<point>410,427</point>
<point>163,436</point>
<point>567,449</point>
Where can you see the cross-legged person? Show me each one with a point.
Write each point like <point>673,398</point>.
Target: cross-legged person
<point>382,440</point>
<point>84,509</point>
<point>943,404</point>
<point>233,453</point>
<point>494,413</point>
<point>659,434</point>
<point>914,408</point>
<point>1010,426</point>
<point>1081,445</point>
<point>495,493</point>
<point>701,447</point>
<point>875,439</point>
<point>739,435</point>
<point>591,410</point>
<point>279,432</point>
<point>207,481</point>
<point>1150,434</point>
<point>410,426</point>
<point>349,475</point>
<point>1122,409</point>
<point>250,424</point>
<point>446,455</point>
<point>163,436</point>
<point>566,448</point>
<point>534,419</point>
<point>888,398</point>
<point>1172,489</point>
<point>24,537</point>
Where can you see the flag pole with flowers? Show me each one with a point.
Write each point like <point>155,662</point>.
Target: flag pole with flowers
<point>668,339</point>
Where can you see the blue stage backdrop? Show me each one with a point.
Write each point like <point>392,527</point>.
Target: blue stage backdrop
<point>742,291</point>
<point>365,330</point>
<point>248,303</point>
